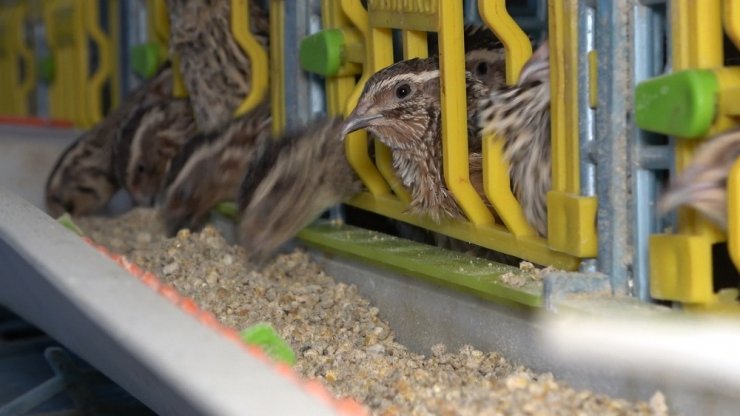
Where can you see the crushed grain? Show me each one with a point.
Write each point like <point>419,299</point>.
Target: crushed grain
<point>337,334</point>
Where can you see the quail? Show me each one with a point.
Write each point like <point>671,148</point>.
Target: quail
<point>83,179</point>
<point>400,106</point>
<point>208,169</point>
<point>215,70</point>
<point>146,143</point>
<point>291,180</point>
<point>702,185</point>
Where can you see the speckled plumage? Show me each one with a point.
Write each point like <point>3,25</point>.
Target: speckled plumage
<point>210,167</point>
<point>215,69</point>
<point>702,185</point>
<point>83,179</point>
<point>520,116</point>
<point>147,142</point>
<point>291,180</point>
<point>411,127</point>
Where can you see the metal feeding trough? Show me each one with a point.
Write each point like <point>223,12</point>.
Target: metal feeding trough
<point>176,365</point>
<point>148,345</point>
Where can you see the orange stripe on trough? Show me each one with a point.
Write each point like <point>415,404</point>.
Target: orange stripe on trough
<point>36,122</point>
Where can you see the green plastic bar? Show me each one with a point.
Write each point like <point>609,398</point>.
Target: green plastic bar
<point>682,104</point>
<point>321,53</point>
<point>477,276</point>
<point>146,59</point>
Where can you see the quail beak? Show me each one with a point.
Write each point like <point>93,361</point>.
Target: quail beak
<point>356,121</point>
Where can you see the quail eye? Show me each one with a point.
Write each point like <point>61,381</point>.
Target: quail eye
<point>140,168</point>
<point>403,90</point>
<point>481,68</point>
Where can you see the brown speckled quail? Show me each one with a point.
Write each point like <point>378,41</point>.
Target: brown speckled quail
<point>215,69</point>
<point>400,106</point>
<point>291,181</point>
<point>146,144</point>
<point>83,179</point>
<point>209,169</point>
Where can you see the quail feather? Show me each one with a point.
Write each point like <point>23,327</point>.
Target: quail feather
<point>83,179</point>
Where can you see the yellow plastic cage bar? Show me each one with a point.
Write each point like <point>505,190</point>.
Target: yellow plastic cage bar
<point>733,214</point>
<point>256,53</point>
<point>16,86</point>
<point>73,94</point>
<point>356,143</point>
<point>571,218</point>
<point>277,64</point>
<point>374,27</point>
<point>158,23</point>
<point>65,33</point>
<point>496,180</point>
<point>106,49</point>
<point>732,28</point>
<point>339,88</point>
<point>681,264</point>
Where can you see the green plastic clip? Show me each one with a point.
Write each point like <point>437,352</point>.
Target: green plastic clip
<point>263,335</point>
<point>321,53</point>
<point>681,104</point>
<point>146,59</point>
<point>46,70</point>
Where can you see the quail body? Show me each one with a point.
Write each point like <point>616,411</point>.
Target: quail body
<point>702,185</point>
<point>83,179</point>
<point>208,169</point>
<point>291,180</point>
<point>215,69</point>
<point>520,116</point>
<point>146,143</point>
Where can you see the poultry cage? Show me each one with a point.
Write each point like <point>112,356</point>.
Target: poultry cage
<point>636,86</point>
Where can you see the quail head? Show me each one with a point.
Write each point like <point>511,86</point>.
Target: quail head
<point>215,70</point>
<point>702,185</point>
<point>209,169</point>
<point>83,179</point>
<point>291,180</point>
<point>147,142</point>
